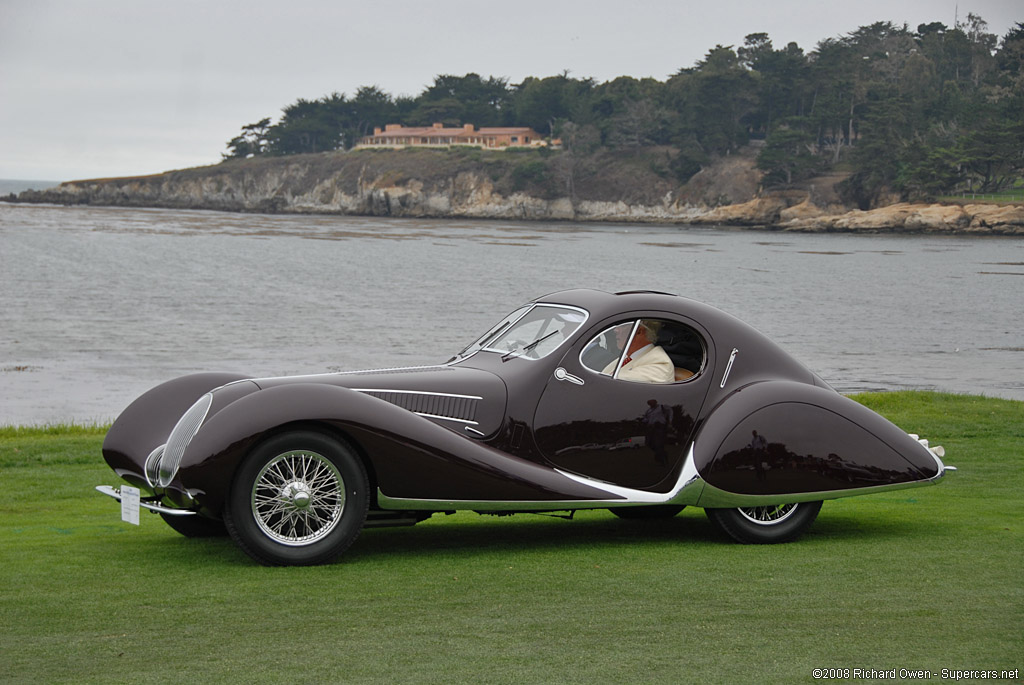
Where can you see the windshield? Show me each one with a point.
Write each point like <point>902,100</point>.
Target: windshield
<point>533,332</point>
<point>492,332</point>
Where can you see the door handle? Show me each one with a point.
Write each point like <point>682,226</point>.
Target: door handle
<point>563,375</point>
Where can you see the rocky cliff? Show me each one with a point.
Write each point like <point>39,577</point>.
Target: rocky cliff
<point>615,187</point>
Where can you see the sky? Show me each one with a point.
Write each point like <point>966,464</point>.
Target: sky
<point>101,88</point>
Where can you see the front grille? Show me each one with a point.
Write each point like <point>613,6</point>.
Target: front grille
<point>182,434</point>
<point>153,465</point>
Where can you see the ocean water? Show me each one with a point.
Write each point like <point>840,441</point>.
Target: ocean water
<point>99,304</point>
<point>8,186</point>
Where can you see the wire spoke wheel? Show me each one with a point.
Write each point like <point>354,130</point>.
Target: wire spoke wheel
<point>766,524</point>
<point>298,497</point>
<point>768,516</point>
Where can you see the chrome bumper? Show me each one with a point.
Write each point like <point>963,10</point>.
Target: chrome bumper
<point>110,491</point>
<point>937,452</point>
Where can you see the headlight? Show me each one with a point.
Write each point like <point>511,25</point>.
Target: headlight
<point>182,434</point>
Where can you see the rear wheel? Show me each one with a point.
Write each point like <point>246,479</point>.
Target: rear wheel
<point>299,498</point>
<point>767,524</point>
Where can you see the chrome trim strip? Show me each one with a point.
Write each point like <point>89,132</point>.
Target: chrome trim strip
<point>390,368</point>
<point>622,354</point>
<point>447,418</point>
<point>728,366</point>
<point>170,511</point>
<point>313,376</point>
<point>410,504</point>
<point>420,392</point>
<point>942,467</point>
<point>687,476</point>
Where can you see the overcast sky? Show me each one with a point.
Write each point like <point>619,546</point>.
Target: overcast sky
<point>95,88</point>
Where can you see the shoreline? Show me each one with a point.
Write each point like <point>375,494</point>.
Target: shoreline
<point>900,218</point>
<point>460,185</point>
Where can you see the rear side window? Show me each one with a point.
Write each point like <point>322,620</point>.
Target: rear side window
<point>646,350</point>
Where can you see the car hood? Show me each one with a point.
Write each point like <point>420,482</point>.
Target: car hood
<point>463,399</point>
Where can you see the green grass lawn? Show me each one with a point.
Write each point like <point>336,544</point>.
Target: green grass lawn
<point>928,578</point>
<point>1012,196</point>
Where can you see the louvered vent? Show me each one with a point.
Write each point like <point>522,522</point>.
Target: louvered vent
<point>457,407</point>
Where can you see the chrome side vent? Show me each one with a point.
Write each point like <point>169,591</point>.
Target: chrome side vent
<point>439,405</point>
<point>182,434</point>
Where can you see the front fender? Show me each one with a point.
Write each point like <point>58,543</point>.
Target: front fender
<point>146,422</point>
<point>408,456</point>
<point>784,438</point>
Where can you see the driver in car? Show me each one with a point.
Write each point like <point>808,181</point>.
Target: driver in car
<point>645,362</point>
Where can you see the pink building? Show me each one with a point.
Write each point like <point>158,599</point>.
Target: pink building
<point>396,135</point>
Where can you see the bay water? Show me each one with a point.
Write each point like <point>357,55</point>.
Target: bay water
<point>99,304</point>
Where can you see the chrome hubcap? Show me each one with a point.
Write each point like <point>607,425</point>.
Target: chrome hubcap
<point>297,494</point>
<point>769,515</point>
<point>298,498</point>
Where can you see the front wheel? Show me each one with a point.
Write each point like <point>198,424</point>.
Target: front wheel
<point>298,499</point>
<point>768,524</point>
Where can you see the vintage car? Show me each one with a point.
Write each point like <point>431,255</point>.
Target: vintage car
<point>637,402</point>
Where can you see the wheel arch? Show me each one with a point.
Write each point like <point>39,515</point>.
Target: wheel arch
<point>215,453</point>
<point>330,428</point>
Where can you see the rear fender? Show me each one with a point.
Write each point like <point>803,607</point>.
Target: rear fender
<point>785,438</point>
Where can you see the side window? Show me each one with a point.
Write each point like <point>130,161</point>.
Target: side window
<point>646,351</point>
<point>603,353</point>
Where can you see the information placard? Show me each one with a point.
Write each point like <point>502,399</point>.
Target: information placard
<point>130,504</point>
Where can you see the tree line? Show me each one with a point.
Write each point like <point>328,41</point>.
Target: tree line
<point>920,112</point>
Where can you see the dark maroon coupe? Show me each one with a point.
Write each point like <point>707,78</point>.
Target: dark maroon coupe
<point>638,402</point>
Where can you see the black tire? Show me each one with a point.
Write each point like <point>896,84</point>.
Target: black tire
<point>195,526</point>
<point>766,525</point>
<point>298,499</point>
<point>651,513</point>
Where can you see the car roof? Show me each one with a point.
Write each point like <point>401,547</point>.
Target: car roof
<point>602,304</point>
